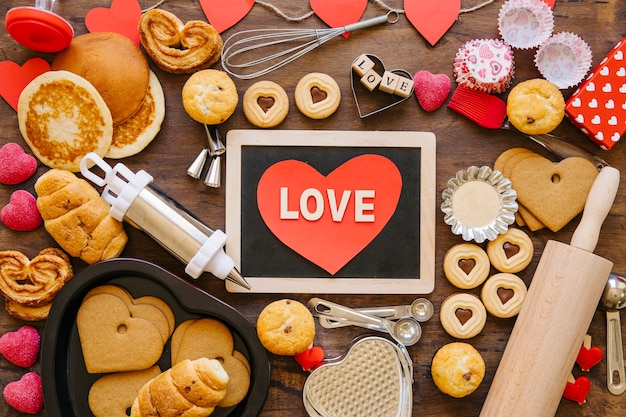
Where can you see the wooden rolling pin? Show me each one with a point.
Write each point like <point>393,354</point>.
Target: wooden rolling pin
<point>561,301</point>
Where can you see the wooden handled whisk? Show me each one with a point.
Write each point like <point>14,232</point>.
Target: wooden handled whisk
<point>243,56</point>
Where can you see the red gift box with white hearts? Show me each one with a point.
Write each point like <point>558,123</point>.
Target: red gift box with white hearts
<point>598,106</point>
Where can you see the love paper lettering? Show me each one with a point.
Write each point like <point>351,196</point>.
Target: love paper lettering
<point>329,219</point>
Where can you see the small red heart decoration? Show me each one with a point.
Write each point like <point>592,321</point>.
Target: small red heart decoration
<point>21,213</point>
<point>431,90</point>
<point>225,14</point>
<point>589,357</point>
<point>21,347</point>
<point>329,219</point>
<point>550,3</point>
<point>339,13</point>
<point>577,390</point>
<point>15,77</point>
<point>26,394</point>
<point>122,17</point>
<point>16,166</point>
<point>310,358</point>
<point>432,18</point>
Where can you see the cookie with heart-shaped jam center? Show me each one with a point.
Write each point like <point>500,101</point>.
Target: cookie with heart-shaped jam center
<point>265,104</point>
<point>463,315</point>
<point>511,251</point>
<point>317,95</point>
<point>466,265</point>
<point>503,295</point>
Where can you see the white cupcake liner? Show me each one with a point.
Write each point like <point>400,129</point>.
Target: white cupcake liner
<point>525,24</point>
<point>564,59</point>
<point>485,64</point>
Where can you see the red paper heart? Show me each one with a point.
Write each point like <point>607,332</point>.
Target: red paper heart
<point>431,90</point>
<point>432,18</point>
<point>339,13</point>
<point>310,358</point>
<point>15,78</point>
<point>21,213</point>
<point>16,166</point>
<point>225,14</point>
<point>122,17</point>
<point>329,243</point>
<point>588,358</point>
<point>21,347</point>
<point>26,394</point>
<point>550,3</point>
<point>578,390</point>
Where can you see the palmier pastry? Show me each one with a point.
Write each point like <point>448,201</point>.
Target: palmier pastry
<point>463,315</point>
<point>511,251</point>
<point>265,104</point>
<point>317,95</point>
<point>503,295</point>
<point>177,47</point>
<point>466,265</point>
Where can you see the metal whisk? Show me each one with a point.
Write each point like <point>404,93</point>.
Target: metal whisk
<point>250,42</point>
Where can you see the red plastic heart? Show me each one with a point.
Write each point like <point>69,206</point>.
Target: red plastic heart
<point>310,358</point>
<point>16,166</point>
<point>431,90</point>
<point>21,213</point>
<point>26,394</point>
<point>432,18</point>
<point>225,14</point>
<point>21,347</point>
<point>15,77</point>
<point>339,13</point>
<point>122,17</point>
<point>589,357</point>
<point>332,226</point>
<point>578,390</point>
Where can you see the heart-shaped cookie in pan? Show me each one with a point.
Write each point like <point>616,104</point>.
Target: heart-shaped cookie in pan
<point>372,102</point>
<point>374,378</point>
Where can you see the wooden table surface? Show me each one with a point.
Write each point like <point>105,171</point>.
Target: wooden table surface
<point>460,144</point>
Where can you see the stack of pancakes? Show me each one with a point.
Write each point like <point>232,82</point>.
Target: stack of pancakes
<point>99,97</point>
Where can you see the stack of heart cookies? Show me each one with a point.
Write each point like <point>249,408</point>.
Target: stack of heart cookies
<point>550,194</point>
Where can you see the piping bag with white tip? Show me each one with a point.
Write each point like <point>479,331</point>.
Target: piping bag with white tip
<point>135,199</point>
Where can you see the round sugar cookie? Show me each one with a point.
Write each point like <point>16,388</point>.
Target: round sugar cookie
<point>511,251</point>
<point>265,104</point>
<point>463,315</point>
<point>466,265</point>
<point>503,295</point>
<point>317,95</point>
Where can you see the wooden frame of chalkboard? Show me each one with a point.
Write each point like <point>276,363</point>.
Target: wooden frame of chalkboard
<point>400,260</point>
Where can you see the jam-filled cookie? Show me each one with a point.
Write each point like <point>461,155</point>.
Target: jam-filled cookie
<point>457,369</point>
<point>503,295</point>
<point>265,104</point>
<point>511,251</point>
<point>463,315</point>
<point>317,95</point>
<point>466,265</point>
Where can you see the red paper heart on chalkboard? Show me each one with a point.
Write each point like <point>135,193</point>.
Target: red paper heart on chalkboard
<point>339,13</point>
<point>225,14</point>
<point>329,219</point>
<point>432,18</point>
<point>15,77</point>
<point>122,17</point>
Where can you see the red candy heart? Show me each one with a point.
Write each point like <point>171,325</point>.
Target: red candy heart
<point>310,358</point>
<point>589,357</point>
<point>15,77</point>
<point>21,347</point>
<point>16,166</point>
<point>431,90</point>
<point>577,390</point>
<point>122,17</point>
<point>21,213</point>
<point>26,394</point>
<point>224,14</point>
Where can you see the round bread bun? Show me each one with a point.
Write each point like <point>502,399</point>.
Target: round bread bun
<point>62,118</point>
<point>132,136</point>
<point>114,65</point>
<point>210,96</point>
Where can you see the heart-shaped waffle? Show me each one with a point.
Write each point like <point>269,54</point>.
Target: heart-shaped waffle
<point>368,102</point>
<point>373,379</point>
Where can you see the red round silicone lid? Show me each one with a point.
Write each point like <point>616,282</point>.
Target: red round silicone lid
<point>39,29</point>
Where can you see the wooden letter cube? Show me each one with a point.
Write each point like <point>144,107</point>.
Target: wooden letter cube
<point>371,79</point>
<point>404,88</point>
<point>362,64</point>
<point>389,82</point>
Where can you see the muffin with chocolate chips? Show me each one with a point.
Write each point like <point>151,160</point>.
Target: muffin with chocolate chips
<point>286,327</point>
<point>535,106</point>
<point>458,369</point>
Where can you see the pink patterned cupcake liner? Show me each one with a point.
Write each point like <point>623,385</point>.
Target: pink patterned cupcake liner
<point>485,65</point>
<point>564,59</point>
<point>525,24</point>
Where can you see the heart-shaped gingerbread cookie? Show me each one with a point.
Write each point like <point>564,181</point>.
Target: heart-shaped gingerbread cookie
<point>555,193</point>
<point>374,378</point>
<point>372,102</point>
